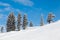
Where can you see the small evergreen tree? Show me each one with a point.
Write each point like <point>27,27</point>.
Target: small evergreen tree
<point>2,29</point>
<point>31,24</point>
<point>24,22</point>
<point>50,16</point>
<point>11,23</point>
<point>41,21</point>
<point>19,21</point>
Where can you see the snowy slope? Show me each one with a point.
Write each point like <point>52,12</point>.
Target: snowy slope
<point>47,32</point>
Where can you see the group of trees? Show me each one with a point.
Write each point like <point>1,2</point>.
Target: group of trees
<point>12,23</point>
<point>49,18</point>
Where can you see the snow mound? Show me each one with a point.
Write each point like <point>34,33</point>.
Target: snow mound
<point>47,32</point>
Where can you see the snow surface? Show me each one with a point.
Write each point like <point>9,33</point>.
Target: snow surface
<point>47,32</point>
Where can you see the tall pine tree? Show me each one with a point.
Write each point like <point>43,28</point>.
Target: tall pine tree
<point>41,21</point>
<point>11,22</point>
<point>2,29</point>
<point>50,16</point>
<point>19,21</point>
<point>24,22</point>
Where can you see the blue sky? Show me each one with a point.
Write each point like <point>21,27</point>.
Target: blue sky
<point>33,9</point>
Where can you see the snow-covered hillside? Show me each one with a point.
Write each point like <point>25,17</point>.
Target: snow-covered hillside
<point>47,32</point>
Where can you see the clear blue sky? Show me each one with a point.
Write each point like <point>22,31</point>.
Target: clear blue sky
<point>33,9</point>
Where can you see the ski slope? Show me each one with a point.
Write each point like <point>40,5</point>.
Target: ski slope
<point>47,32</point>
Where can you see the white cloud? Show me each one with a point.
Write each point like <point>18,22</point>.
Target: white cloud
<point>25,2</point>
<point>11,9</point>
<point>4,4</point>
<point>8,8</point>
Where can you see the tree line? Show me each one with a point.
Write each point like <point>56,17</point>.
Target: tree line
<point>11,22</point>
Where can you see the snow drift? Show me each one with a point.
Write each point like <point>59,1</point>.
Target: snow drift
<point>47,32</point>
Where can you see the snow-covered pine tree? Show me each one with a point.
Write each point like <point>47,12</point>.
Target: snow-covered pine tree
<point>25,22</point>
<point>50,16</point>
<point>41,20</point>
<point>31,24</point>
<point>19,21</point>
<point>11,22</point>
<point>2,29</point>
